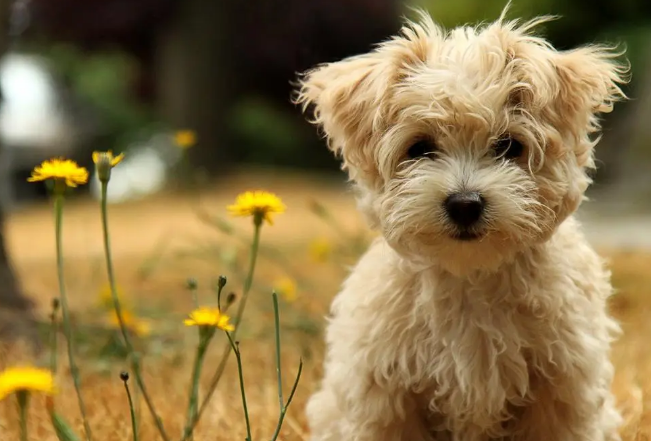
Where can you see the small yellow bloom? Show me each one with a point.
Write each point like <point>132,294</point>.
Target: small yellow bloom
<point>106,299</point>
<point>104,162</point>
<point>27,379</point>
<point>286,286</point>
<point>108,157</point>
<point>185,138</point>
<point>320,250</point>
<point>209,317</point>
<point>60,169</point>
<point>138,326</point>
<point>259,204</point>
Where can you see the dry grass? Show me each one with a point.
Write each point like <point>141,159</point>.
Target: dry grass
<point>194,249</point>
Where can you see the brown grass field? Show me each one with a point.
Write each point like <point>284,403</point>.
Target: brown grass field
<point>160,241</point>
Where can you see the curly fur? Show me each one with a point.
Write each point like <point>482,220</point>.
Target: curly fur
<point>502,338</point>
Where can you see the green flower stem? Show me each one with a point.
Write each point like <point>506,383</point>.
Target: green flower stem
<point>278,364</point>
<point>257,223</point>
<point>54,334</point>
<point>23,399</point>
<point>135,364</point>
<point>134,424</point>
<point>255,245</point>
<point>67,327</point>
<point>196,375</point>
<point>236,348</point>
<point>271,254</point>
<point>283,406</point>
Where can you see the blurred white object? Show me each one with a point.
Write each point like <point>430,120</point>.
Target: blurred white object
<point>143,171</point>
<point>37,120</point>
<point>31,115</point>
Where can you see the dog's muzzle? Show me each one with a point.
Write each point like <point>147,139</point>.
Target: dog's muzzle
<point>465,210</point>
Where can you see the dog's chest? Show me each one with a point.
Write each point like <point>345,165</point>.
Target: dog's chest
<point>475,347</point>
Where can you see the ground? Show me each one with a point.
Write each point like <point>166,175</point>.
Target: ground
<point>160,241</point>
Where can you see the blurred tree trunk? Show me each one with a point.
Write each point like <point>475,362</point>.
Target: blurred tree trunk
<point>212,54</point>
<point>10,293</point>
<point>194,84</point>
<point>16,315</point>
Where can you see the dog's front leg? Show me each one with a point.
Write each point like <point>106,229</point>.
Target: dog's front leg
<point>575,411</point>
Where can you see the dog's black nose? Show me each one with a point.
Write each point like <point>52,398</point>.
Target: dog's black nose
<point>465,209</point>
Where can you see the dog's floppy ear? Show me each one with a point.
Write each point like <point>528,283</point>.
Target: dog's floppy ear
<point>589,79</point>
<point>347,98</point>
<point>588,84</point>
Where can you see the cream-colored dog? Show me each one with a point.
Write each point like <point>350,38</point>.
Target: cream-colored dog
<point>480,313</point>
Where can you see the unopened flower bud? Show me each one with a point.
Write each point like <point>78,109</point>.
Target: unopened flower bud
<point>221,282</point>
<point>191,283</point>
<point>104,162</point>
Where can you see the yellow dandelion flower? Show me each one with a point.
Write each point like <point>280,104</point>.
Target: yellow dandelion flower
<point>134,324</point>
<point>105,299</point>
<point>286,286</point>
<point>259,204</point>
<point>26,379</point>
<point>320,250</point>
<point>209,317</point>
<point>60,169</point>
<point>185,138</point>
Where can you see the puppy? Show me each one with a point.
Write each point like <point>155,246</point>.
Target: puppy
<point>480,312</point>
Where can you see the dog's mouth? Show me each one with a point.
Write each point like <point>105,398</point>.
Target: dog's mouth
<point>466,235</point>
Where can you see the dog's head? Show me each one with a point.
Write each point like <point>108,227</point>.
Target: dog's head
<point>466,145</point>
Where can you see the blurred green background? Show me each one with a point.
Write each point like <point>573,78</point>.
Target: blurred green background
<point>125,72</point>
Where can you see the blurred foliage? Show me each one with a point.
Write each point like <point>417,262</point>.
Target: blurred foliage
<point>627,22</point>
<point>267,130</point>
<point>103,82</point>
<point>269,135</point>
<point>270,131</point>
<point>579,20</point>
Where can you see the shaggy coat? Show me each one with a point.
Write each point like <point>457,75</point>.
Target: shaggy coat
<point>504,336</point>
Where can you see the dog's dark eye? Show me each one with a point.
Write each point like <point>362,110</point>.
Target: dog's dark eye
<point>508,148</point>
<point>421,149</point>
